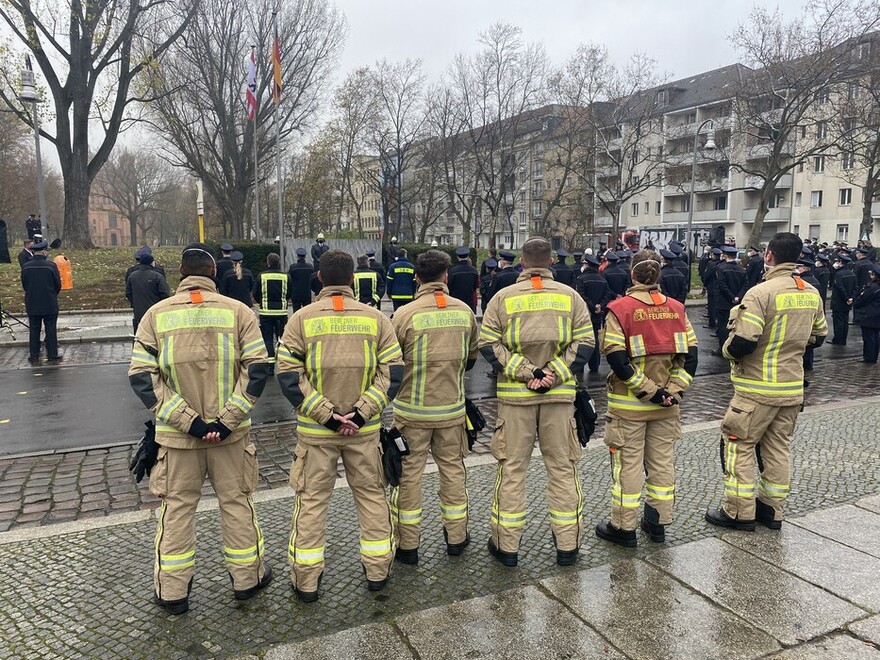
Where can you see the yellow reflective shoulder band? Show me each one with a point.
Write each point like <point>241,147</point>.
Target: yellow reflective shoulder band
<point>489,334</point>
<point>252,347</point>
<point>390,353</point>
<point>140,355</point>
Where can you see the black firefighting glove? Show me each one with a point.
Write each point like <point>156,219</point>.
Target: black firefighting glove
<point>475,422</point>
<point>394,448</point>
<point>585,416</point>
<point>145,457</point>
<point>198,429</point>
<point>662,394</point>
<point>539,374</point>
<point>332,423</point>
<point>358,419</point>
<point>219,427</point>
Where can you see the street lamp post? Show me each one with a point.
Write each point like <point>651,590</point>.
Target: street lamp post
<point>29,95</point>
<point>710,145</point>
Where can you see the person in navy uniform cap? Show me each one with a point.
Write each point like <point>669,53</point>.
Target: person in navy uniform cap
<point>301,280</point>
<point>42,283</point>
<point>862,268</point>
<point>593,288</point>
<point>562,272</point>
<point>843,293</point>
<point>755,267</point>
<point>507,273</point>
<point>376,265</point>
<point>680,262</point>
<point>224,263</point>
<point>486,283</point>
<point>804,269</point>
<point>731,286</point>
<point>710,283</point>
<point>463,279</point>
<point>577,267</point>
<point>866,314</point>
<point>823,275</point>
<point>617,275</point>
<point>672,281</point>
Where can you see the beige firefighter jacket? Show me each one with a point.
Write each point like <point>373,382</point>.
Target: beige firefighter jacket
<point>631,399</point>
<point>338,355</point>
<point>536,325</point>
<point>198,358</point>
<point>437,342</point>
<point>783,315</point>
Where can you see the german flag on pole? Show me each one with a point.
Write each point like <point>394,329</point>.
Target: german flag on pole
<point>276,68</point>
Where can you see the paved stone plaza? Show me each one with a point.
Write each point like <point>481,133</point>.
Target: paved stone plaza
<point>86,592</point>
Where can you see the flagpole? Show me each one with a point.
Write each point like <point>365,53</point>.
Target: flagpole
<point>279,184</point>
<point>256,157</point>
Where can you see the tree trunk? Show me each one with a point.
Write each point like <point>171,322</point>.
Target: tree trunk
<point>758,226</point>
<point>867,226</point>
<point>133,227</point>
<point>77,188</point>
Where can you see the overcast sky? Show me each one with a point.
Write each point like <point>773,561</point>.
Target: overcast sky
<point>684,36</point>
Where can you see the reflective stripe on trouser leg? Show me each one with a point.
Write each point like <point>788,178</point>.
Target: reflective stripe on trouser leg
<point>557,436</point>
<point>512,444</point>
<point>449,448</point>
<point>660,437</point>
<point>406,499</point>
<point>313,476</point>
<point>230,469</point>
<point>774,482</point>
<point>626,439</point>
<point>365,476</point>
<point>739,479</point>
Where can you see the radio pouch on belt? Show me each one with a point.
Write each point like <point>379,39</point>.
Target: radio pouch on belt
<point>394,448</point>
<point>475,422</point>
<point>584,415</point>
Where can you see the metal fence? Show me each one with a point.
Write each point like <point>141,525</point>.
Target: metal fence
<point>354,246</point>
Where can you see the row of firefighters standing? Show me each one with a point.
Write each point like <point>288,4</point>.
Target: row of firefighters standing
<point>340,362</point>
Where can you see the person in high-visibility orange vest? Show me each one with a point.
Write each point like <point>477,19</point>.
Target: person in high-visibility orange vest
<point>65,270</point>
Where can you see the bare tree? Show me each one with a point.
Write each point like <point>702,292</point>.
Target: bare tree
<point>175,214</point>
<point>309,190</point>
<point>90,55</point>
<point>779,108</point>
<point>200,111</point>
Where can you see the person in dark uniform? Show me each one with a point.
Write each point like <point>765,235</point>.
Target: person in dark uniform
<point>710,282</point>
<point>493,256</point>
<point>144,287</point>
<point>593,288</point>
<point>866,314</point>
<point>617,275</point>
<point>34,226</point>
<point>672,281</point>
<point>843,292</point>
<point>578,266</point>
<point>239,282</point>
<point>401,279</point>
<point>463,279</point>
<point>272,291</point>
<point>562,272</point>
<point>394,249</point>
<point>680,263</point>
<point>319,247</point>
<point>486,283</point>
<point>823,276</point>
<point>301,274</point>
<point>731,288</point>
<point>872,251</point>
<point>41,282</point>
<point>805,271</point>
<point>377,266</point>
<point>26,253</point>
<point>224,263</point>
<point>755,267</point>
<point>368,288</point>
<point>506,274</point>
<point>862,268</point>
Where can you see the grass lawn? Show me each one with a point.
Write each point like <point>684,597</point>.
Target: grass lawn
<point>97,278</point>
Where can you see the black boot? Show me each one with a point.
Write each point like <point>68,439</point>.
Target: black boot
<point>455,549</point>
<point>505,558</point>
<point>176,606</point>
<point>719,518</point>
<point>246,594</point>
<point>607,531</point>
<point>765,515</point>
<point>407,556</point>
<point>565,557</point>
<point>309,596</point>
<point>651,525</point>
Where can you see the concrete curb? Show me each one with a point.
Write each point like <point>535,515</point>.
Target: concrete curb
<point>75,340</point>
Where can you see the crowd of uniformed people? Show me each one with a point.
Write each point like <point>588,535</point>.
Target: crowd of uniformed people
<point>201,359</point>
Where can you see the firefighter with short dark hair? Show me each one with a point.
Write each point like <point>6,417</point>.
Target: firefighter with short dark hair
<point>401,280</point>
<point>368,288</point>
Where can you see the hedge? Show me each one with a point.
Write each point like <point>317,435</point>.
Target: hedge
<point>254,253</point>
<point>413,250</point>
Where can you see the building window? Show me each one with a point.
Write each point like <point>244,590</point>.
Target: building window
<point>816,199</point>
<point>522,197</point>
<point>863,51</point>
<point>538,209</point>
<point>800,168</point>
<point>822,129</point>
<point>111,221</point>
<point>849,125</point>
<point>822,97</point>
<point>647,208</point>
<point>842,233</point>
<point>539,188</point>
<point>539,168</point>
<point>634,211</point>
<point>819,164</point>
<point>523,219</point>
<point>691,118</point>
<point>797,198</point>
<point>657,211</point>
<point>685,205</point>
<point>114,240</point>
<point>854,91</point>
<point>796,229</point>
<point>847,160</point>
<point>845,196</point>
<point>803,131</point>
<point>814,232</point>
<point>720,203</point>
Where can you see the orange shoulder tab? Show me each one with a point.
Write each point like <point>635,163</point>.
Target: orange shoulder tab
<point>338,302</point>
<point>440,299</point>
<point>195,296</point>
<point>657,298</point>
<point>537,283</point>
<point>800,283</point>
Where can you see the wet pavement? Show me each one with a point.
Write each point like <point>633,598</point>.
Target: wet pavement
<point>809,591</point>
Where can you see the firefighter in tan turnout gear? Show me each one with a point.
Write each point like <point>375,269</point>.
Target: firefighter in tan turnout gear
<point>338,364</point>
<point>769,332</point>
<point>438,335</point>
<point>199,363</point>
<point>537,335</point>
<point>651,348</point>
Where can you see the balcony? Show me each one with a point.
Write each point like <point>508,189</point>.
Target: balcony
<point>757,181</point>
<point>681,217</point>
<point>875,209</point>
<point>718,186</point>
<point>602,221</point>
<point>764,150</point>
<point>777,215</point>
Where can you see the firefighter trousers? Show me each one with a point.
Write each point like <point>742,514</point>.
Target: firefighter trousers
<point>312,477</point>
<point>449,447</point>
<point>512,445</point>
<point>752,432</point>
<point>177,479</point>
<point>642,455</point>
<point>272,327</point>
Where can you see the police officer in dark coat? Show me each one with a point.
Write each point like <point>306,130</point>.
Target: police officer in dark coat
<point>507,274</point>
<point>843,292</point>
<point>823,276</point>
<point>731,288</point>
<point>301,280</point>
<point>672,281</point>
<point>562,272</point>
<point>594,289</point>
<point>463,279</point>
<point>377,265</point>
<point>41,282</point>
<point>144,287</point>
<point>486,283</point>
<point>755,267</point>
<point>238,283</point>
<point>680,263</point>
<point>710,282</point>
<point>617,275</point>
<point>484,267</point>
<point>866,313</point>
<point>862,268</point>
<point>805,272</point>
<point>224,263</point>
<point>34,226</point>
<point>26,253</point>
